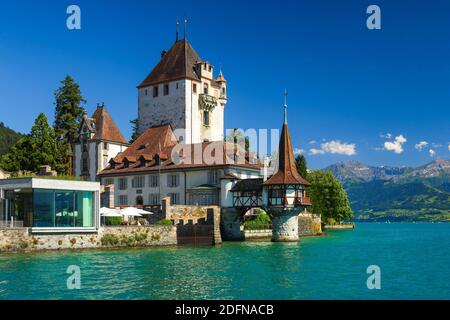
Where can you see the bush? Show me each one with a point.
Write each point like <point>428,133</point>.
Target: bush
<point>109,239</point>
<point>164,222</point>
<point>260,222</point>
<point>113,221</point>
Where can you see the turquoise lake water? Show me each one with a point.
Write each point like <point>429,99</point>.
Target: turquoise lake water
<point>414,259</point>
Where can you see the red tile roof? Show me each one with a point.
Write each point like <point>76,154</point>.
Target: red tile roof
<point>178,63</point>
<point>287,170</point>
<point>105,128</point>
<point>160,142</point>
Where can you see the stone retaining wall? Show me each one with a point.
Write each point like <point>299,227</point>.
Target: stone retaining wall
<point>258,234</point>
<point>20,239</point>
<point>309,224</point>
<point>340,226</point>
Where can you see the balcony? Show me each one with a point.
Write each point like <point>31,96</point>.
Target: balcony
<point>207,102</point>
<point>305,201</point>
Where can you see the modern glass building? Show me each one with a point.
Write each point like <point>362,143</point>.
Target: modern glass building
<point>50,205</point>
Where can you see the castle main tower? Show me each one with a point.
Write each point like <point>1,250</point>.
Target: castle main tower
<point>181,91</point>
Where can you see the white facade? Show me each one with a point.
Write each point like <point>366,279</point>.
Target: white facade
<point>182,108</point>
<point>97,154</point>
<point>187,179</point>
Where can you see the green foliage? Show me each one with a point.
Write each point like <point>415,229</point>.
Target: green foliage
<point>45,145</point>
<point>134,132</point>
<point>422,199</point>
<point>44,149</point>
<point>17,158</point>
<point>328,197</point>
<point>8,138</point>
<point>68,110</point>
<point>300,162</point>
<point>236,136</point>
<point>164,222</point>
<point>109,240</point>
<point>260,222</point>
<point>36,149</point>
<point>68,115</point>
<point>113,221</point>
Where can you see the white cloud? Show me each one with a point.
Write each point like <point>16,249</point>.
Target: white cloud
<point>436,145</point>
<point>316,151</point>
<point>432,153</point>
<point>386,135</point>
<point>335,147</point>
<point>396,145</point>
<point>421,145</point>
<point>312,142</point>
<point>299,151</point>
<point>449,146</point>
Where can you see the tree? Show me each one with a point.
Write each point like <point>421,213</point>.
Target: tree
<point>236,136</point>
<point>30,152</point>
<point>68,110</point>
<point>7,138</point>
<point>328,197</point>
<point>44,148</point>
<point>68,115</point>
<point>300,162</point>
<point>18,157</point>
<point>134,133</point>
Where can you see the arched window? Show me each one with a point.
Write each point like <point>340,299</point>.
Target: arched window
<point>205,118</point>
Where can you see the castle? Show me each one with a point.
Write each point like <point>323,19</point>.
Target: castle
<point>181,153</point>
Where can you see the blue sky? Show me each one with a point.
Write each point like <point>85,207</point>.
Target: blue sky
<point>348,85</point>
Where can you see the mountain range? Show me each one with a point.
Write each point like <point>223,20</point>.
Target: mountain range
<point>396,193</point>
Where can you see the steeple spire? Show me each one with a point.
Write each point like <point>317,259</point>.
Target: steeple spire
<point>185,23</point>
<point>177,24</point>
<point>285,106</point>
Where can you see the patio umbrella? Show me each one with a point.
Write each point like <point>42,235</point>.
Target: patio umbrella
<point>130,212</point>
<point>143,212</point>
<point>108,212</point>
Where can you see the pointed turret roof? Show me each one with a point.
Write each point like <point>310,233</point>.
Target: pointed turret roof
<point>105,127</point>
<point>287,170</point>
<point>178,63</point>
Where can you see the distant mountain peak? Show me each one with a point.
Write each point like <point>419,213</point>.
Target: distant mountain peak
<point>354,171</point>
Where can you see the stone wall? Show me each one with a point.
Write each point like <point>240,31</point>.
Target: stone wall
<point>230,225</point>
<point>188,214</point>
<point>258,234</point>
<point>309,224</point>
<point>340,226</point>
<point>21,239</point>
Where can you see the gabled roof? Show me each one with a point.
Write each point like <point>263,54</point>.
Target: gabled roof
<point>287,170</point>
<point>148,143</point>
<point>178,63</point>
<point>105,128</point>
<point>159,143</point>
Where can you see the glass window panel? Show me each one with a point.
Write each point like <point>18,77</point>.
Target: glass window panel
<point>44,208</point>
<point>64,209</point>
<point>84,209</point>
